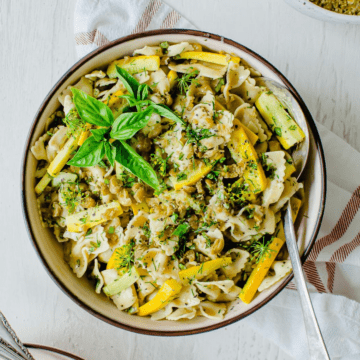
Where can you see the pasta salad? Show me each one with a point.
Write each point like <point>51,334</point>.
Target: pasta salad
<point>164,176</point>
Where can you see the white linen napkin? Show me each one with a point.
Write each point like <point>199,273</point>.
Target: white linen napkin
<point>333,266</point>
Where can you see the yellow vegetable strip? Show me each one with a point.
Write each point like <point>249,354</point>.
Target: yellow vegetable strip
<point>205,269</point>
<point>172,76</point>
<point>287,131</point>
<point>63,155</point>
<point>193,176</point>
<point>89,218</point>
<point>42,184</point>
<point>251,135</point>
<point>241,149</point>
<point>219,59</point>
<point>289,166</point>
<point>143,206</point>
<point>113,262</point>
<point>84,135</point>
<point>260,271</point>
<point>113,98</point>
<point>127,279</point>
<point>134,65</point>
<point>236,136</point>
<point>166,294</point>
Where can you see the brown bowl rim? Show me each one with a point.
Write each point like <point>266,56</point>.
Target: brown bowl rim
<point>53,350</point>
<point>122,40</point>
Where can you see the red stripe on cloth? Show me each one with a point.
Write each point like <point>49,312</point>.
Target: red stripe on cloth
<point>87,38</point>
<point>313,277</point>
<point>170,20</point>
<point>291,286</point>
<point>147,16</point>
<point>330,268</point>
<point>100,39</point>
<point>341,226</point>
<point>340,256</point>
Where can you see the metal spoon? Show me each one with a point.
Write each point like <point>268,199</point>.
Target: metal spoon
<point>300,155</point>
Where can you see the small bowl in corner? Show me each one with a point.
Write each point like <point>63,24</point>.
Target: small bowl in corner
<point>317,12</point>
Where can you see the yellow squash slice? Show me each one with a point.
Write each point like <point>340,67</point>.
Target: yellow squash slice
<point>219,59</point>
<point>42,184</point>
<point>192,176</point>
<point>241,150</point>
<point>116,258</point>
<point>134,65</point>
<point>205,269</point>
<point>274,145</point>
<point>143,206</point>
<point>251,135</point>
<point>89,218</point>
<point>113,98</point>
<point>63,155</point>
<point>166,294</point>
<point>260,271</point>
<point>172,77</point>
<point>289,166</point>
<point>236,136</point>
<point>287,131</point>
<point>84,135</point>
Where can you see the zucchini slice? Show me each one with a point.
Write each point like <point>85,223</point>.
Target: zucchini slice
<point>89,218</point>
<point>42,184</point>
<point>126,280</point>
<point>279,120</point>
<point>219,59</point>
<point>134,65</point>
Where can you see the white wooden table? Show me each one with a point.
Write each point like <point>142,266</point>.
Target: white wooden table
<point>36,37</point>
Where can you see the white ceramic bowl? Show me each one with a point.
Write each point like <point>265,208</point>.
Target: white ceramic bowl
<point>317,12</point>
<point>50,251</point>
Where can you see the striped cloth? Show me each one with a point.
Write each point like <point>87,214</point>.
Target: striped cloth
<point>333,267</point>
<point>97,22</point>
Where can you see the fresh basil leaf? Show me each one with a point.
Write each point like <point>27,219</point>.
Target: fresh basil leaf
<point>133,162</point>
<point>164,111</point>
<point>143,92</point>
<point>128,124</point>
<point>129,82</point>
<point>181,230</point>
<point>91,110</point>
<point>90,153</point>
<point>110,152</point>
<point>99,133</point>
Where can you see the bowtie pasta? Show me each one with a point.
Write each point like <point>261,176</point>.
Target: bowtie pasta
<point>189,219</point>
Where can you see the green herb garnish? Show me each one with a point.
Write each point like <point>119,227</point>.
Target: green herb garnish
<point>124,127</point>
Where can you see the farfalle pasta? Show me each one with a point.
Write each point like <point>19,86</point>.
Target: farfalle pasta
<point>164,175</point>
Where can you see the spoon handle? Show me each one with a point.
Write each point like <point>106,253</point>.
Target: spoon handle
<point>316,343</point>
